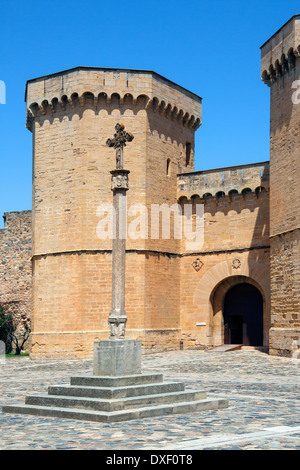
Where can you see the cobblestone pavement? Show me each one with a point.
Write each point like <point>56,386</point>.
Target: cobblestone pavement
<point>263,413</point>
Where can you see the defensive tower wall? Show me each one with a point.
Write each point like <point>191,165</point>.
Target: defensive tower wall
<point>71,115</point>
<point>280,70</point>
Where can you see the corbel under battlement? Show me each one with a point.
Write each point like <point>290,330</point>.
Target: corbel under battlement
<point>107,88</point>
<point>225,182</point>
<point>279,53</point>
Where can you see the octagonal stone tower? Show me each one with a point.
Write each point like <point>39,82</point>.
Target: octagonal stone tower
<point>71,114</point>
<point>280,69</point>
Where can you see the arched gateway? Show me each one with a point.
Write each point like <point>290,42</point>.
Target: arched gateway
<point>235,303</point>
<point>239,312</point>
<point>243,315</point>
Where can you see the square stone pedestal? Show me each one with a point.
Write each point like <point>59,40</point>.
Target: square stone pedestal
<point>117,357</point>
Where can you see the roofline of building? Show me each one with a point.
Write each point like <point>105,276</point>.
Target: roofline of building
<point>16,212</point>
<point>291,19</point>
<point>105,69</point>
<point>224,168</point>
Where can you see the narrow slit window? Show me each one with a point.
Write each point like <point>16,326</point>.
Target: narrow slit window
<point>168,166</point>
<point>188,149</point>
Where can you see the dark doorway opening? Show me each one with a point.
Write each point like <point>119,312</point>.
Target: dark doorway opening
<point>243,316</point>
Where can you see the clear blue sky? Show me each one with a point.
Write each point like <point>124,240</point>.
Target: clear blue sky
<point>210,47</point>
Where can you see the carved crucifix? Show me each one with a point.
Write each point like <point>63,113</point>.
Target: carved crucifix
<point>118,142</point>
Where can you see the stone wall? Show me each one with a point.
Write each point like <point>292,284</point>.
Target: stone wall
<point>236,248</point>
<point>280,71</point>
<point>285,285</point>
<point>15,266</point>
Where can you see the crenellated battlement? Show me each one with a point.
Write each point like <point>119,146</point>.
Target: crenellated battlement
<point>225,181</point>
<point>104,88</point>
<point>279,53</point>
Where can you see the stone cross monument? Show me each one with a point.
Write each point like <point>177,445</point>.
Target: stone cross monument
<point>118,356</point>
<point>119,185</point>
<point>119,142</point>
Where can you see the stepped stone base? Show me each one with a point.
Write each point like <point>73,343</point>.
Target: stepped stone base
<point>110,399</point>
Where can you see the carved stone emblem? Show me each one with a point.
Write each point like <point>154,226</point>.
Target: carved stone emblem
<point>236,263</point>
<point>119,180</point>
<point>197,264</point>
<point>117,329</point>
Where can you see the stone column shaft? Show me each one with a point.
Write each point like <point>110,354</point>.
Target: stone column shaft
<point>118,316</point>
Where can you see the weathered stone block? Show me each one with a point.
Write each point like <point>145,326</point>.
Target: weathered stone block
<point>117,357</point>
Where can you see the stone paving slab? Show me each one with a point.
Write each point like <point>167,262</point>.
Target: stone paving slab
<point>263,413</point>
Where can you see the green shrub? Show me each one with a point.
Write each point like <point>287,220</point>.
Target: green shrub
<point>6,326</point>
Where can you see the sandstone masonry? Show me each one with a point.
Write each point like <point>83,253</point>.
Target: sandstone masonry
<point>280,69</point>
<point>175,293</point>
<point>15,265</point>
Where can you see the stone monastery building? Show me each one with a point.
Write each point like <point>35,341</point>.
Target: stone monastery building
<point>240,286</point>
